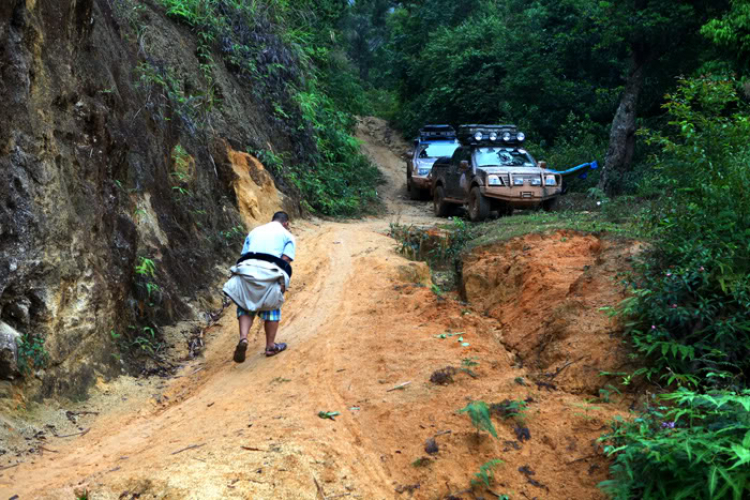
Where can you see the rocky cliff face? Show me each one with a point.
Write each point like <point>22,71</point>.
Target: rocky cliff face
<point>118,169</point>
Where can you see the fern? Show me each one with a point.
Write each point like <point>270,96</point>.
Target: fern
<point>479,413</point>
<point>486,474</point>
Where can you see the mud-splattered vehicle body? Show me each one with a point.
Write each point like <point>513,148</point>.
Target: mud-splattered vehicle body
<point>433,142</point>
<point>491,171</point>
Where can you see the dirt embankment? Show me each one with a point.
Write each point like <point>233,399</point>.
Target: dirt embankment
<point>366,339</point>
<point>546,291</point>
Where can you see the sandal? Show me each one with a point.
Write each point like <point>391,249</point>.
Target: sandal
<point>273,351</point>
<point>239,351</point>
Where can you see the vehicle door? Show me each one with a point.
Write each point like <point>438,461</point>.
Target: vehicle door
<point>451,177</point>
<point>458,175</point>
<point>410,160</point>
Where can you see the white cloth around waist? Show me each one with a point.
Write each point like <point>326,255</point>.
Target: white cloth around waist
<point>255,285</point>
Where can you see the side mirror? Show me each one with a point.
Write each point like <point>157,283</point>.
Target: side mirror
<point>464,165</point>
<point>542,164</point>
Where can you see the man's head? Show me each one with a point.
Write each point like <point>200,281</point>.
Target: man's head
<point>282,218</point>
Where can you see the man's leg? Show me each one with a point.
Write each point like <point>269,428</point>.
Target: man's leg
<point>246,322</point>
<point>271,328</point>
<point>272,320</point>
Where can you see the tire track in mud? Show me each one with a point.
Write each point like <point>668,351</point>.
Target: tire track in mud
<point>326,394</point>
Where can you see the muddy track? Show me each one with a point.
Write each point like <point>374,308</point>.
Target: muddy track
<point>357,327</point>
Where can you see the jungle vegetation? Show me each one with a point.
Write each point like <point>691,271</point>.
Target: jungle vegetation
<point>655,90</point>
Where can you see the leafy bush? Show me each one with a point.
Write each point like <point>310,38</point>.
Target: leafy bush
<point>581,140</point>
<point>343,181</point>
<point>440,248</point>
<point>689,312</point>
<point>31,353</point>
<point>698,448</point>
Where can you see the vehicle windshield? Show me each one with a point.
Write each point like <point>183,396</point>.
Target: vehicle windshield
<point>438,149</point>
<point>503,157</point>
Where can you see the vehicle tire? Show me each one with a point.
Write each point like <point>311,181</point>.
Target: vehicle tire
<point>549,205</point>
<point>479,206</point>
<point>442,208</point>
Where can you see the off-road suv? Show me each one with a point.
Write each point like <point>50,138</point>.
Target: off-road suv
<point>433,142</point>
<point>492,172</point>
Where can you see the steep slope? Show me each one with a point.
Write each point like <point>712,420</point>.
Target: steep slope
<point>119,175</point>
<point>366,336</point>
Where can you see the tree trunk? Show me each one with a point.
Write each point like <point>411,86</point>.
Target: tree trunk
<point>622,136</point>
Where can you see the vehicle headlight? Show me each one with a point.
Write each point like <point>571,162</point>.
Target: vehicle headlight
<point>521,137</point>
<point>518,181</point>
<point>550,181</point>
<point>493,136</point>
<point>424,171</point>
<point>494,180</point>
<point>536,181</point>
<point>478,136</point>
<point>506,136</point>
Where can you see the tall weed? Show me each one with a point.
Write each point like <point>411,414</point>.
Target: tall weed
<point>697,447</point>
<point>689,311</point>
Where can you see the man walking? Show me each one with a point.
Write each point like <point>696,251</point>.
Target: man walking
<point>260,279</point>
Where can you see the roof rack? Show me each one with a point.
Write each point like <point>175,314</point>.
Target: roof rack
<point>434,131</point>
<point>490,135</point>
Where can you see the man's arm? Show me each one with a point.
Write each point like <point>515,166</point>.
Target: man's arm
<point>285,259</point>
<point>290,250</point>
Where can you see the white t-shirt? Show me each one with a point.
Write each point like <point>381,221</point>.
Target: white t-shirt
<point>272,239</point>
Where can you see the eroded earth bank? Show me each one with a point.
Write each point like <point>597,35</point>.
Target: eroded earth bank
<point>367,333</point>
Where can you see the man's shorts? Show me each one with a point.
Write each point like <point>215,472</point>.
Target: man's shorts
<point>274,315</point>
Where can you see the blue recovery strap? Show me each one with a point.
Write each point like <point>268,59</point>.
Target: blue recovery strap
<point>582,170</point>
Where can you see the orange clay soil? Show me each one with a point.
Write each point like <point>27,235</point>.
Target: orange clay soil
<point>547,292</point>
<point>358,328</point>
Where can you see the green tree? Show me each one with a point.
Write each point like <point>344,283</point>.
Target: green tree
<point>660,35</point>
<point>365,31</point>
<point>498,61</point>
<point>731,33</point>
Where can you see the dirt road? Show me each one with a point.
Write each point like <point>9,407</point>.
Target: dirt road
<point>364,340</point>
